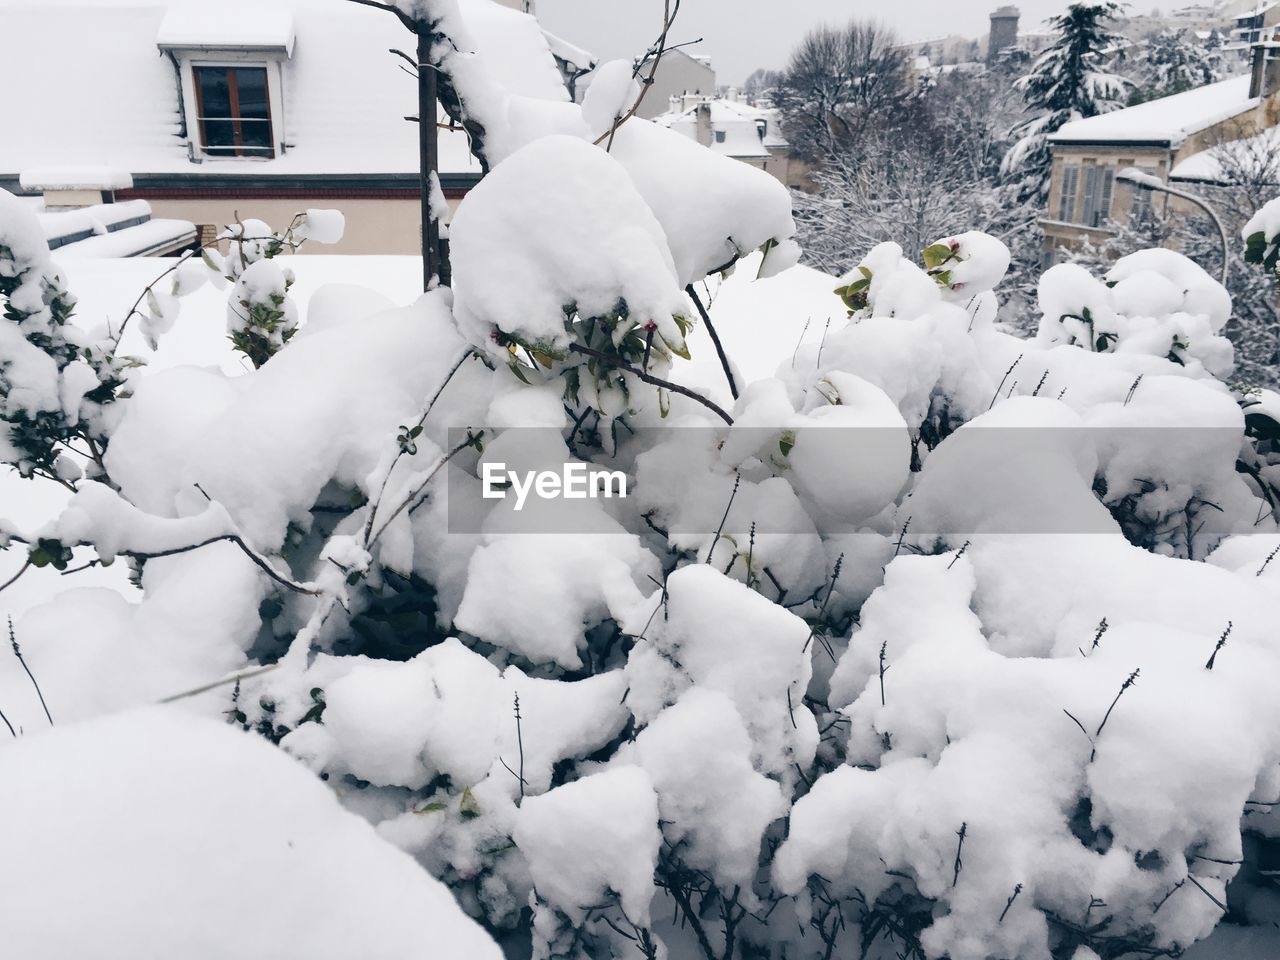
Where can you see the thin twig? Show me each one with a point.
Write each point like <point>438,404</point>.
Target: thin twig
<point>1222,640</point>
<point>14,579</point>
<point>422,419</point>
<point>234,678</point>
<point>822,611</point>
<point>737,479</point>
<point>17,652</point>
<point>659,48</point>
<point>996,395</point>
<point>1016,890</point>
<point>715,339</point>
<point>651,379</point>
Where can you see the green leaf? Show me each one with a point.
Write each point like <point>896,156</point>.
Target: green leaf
<point>468,806</point>
<point>1255,246</point>
<point>435,807</point>
<point>936,254</point>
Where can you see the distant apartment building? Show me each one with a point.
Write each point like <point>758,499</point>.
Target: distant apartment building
<point>1161,138</point>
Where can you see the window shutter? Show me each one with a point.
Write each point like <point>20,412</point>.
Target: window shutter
<point>1090,196</point>
<point>1070,185</point>
<point>1104,207</point>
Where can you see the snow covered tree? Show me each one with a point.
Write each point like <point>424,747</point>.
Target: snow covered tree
<point>1171,62</point>
<point>1068,81</point>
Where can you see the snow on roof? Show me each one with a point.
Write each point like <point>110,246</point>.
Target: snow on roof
<point>1258,155</point>
<point>80,177</point>
<point>229,24</point>
<point>153,238</point>
<point>568,52</point>
<point>735,134</point>
<point>113,230</point>
<point>345,96</point>
<point>1257,11</point>
<point>1167,120</point>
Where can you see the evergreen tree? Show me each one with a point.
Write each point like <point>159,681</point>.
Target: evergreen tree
<point>1069,81</point>
<point>1172,63</point>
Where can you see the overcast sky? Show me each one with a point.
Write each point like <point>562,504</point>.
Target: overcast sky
<point>741,35</point>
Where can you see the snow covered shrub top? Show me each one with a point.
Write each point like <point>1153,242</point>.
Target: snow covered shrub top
<point>57,382</point>
<point>580,252</point>
<point>196,830</point>
<point>1154,302</point>
<point>802,689</point>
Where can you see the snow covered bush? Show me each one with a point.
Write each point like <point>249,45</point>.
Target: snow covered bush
<point>937,642</point>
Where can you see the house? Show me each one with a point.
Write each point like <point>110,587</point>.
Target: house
<point>679,73</point>
<point>246,107</point>
<point>1252,25</point>
<point>1158,137</point>
<point>744,131</point>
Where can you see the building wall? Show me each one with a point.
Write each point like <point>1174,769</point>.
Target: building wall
<point>678,73</point>
<point>1155,158</point>
<point>1070,233</point>
<point>374,226</point>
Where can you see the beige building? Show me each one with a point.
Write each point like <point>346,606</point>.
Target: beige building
<point>213,112</point>
<point>1158,137</point>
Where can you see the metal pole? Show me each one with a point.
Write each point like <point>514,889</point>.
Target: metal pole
<point>1145,181</point>
<point>428,157</point>
<point>1222,233</point>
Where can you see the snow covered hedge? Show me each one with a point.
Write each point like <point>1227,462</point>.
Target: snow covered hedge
<point>939,642</point>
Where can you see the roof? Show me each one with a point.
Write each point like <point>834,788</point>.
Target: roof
<point>226,25</point>
<point>737,122</point>
<point>112,230</point>
<point>1258,156</point>
<point>75,178</point>
<point>570,53</point>
<point>345,97</point>
<point>1169,120</point>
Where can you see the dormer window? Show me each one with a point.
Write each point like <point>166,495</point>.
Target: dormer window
<point>231,80</point>
<point>234,111</point>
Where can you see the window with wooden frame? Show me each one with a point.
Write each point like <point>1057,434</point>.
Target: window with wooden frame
<point>234,111</point>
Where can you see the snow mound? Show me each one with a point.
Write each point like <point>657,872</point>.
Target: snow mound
<point>267,859</point>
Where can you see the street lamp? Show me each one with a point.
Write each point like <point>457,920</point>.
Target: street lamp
<point>1145,181</point>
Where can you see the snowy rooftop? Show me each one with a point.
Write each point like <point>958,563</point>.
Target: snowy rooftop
<point>1167,120</point>
<point>1258,156</point>
<point>112,230</point>
<point>345,96</point>
<point>735,124</point>
<point>227,25</point>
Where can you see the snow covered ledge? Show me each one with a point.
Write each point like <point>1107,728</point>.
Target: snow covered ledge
<point>80,185</point>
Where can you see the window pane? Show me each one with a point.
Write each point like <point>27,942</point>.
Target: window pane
<point>251,83</point>
<point>215,91</point>
<point>1067,202</point>
<point>1090,195</point>
<point>234,110</point>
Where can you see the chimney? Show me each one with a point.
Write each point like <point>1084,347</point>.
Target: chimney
<point>1265,77</point>
<point>704,124</point>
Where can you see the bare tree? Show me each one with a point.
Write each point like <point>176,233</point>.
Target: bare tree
<point>836,83</point>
